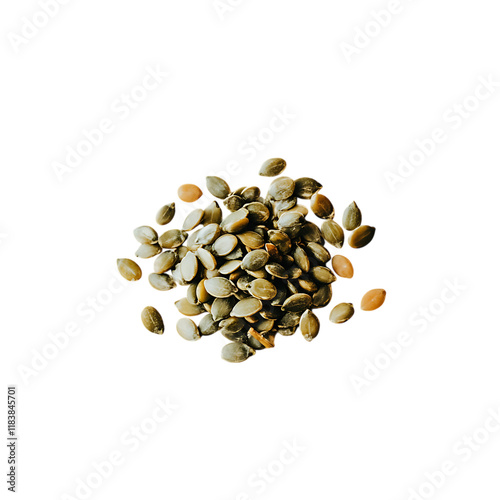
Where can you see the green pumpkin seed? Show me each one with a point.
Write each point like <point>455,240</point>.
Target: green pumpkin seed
<point>234,203</point>
<point>218,187</point>
<point>351,219</point>
<point>165,214</point>
<point>255,260</point>
<point>281,188</point>
<point>333,233</point>
<point>276,270</point>
<point>297,303</point>
<point>311,233</point>
<point>187,329</point>
<point>305,188</point>
<point>152,320</point>
<point>262,289</point>
<point>287,332</point>
<point>272,167</point>
<point>236,352</point>
<point>257,212</point>
<point>361,236</point>
<point>208,326</point>
<point>221,308</point>
<point>147,250</point>
<point>294,272</point>
<point>220,288</point>
<point>251,239</point>
<point>301,259</point>
<point>129,269</point>
<point>341,313</point>
<point>145,234</point>
<point>289,320</point>
<point>309,325</point>
<point>281,240</point>
<point>232,325</point>
<point>322,207</point>
<point>246,307</point>
<point>173,238</point>
<point>163,282</point>
<point>284,205</point>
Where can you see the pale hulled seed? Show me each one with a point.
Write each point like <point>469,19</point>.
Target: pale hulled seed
<point>373,299</point>
<point>188,309</point>
<point>342,266</point>
<point>129,269</point>
<point>341,313</point>
<point>220,288</point>
<point>187,329</point>
<point>163,282</point>
<point>165,261</point>
<point>218,187</point>
<point>361,236</point>
<point>147,250</point>
<point>145,234</point>
<point>262,289</point>
<point>208,234</point>
<point>173,238</point>
<point>333,233</point>
<point>351,219</point>
<point>152,320</point>
<point>230,266</point>
<point>189,193</point>
<point>236,352</point>
<point>309,325</point>
<point>165,214</point>
<point>212,214</point>
<point>246,307</point>
<point>272,167</point>
<point>201,292</point>
<point>208,261</point>
<point>224,244</point>
<point>193,219</point>
<point>189,266</point>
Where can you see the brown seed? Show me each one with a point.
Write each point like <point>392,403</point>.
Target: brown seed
<point>281,240</point>
<point>309,325</point>
<point>323,275</point>
<point>187,329</point>
<point>319,252</point>
<point>236,352</point>
<point>373,299</point>
<point>322,207</point>
<point>257,212</point>
<point>263,340</point>
<point>188,309</point>
<point>342,266</point>
<point>146,250</point>
<point>308,285</point>
<point>323,296</point>
<point>193,219</point>
<point>341,313</point>
<point>152,320</point>
<point>234,203</point>
<point>301,259</point>
<point>218,187</point>
<point>246,307</point>
<point>129,269</point>
<point>361,236</point>
<point>352,217</point>
<point>220,288</point>
<point>165,261</point>
<point>250,194</point>
<point>311,233</point>
<point>298,302</point>
<point>146,234</point>
<point>281,188</point>
<point>165,214</point>
<point>272,167</point>
<point>333,233</point>
<point>305,188</point>
<point>189,193</point>
<point>201,292</point>
<point>173,238</point>
<point>162,282</point>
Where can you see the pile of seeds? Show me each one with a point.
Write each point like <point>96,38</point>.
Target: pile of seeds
<point>257,272</point>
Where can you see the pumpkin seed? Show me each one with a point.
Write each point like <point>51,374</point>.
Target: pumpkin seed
<point>163,282</point>
<point>212,214</point>
<point>272,167</point>
<point>297,303</point>
<point>232,325</point>
<point>187,329</point>
<point>341,313</point>
<point>152,320</point>
<point>165,261</point>
<point>189,193</point>
<point>230,266</point>
<point>218,187</point>
<point>246,307</point>
<point>165,214</point>
<point>281,240</point>
<point>220,288</point>
<point>323,275</point>
<point>257,212</point>
<point>193,219</point>
<point>188,309</point>
<point>289,320</point>
<point>221,308</point>
<point>342,266</point>
<point>318,252</point>
<point>208,261</point>
<point>311,233</point>
<point>201,292</point>
<point>309,325</point>
<point>276,270</point>
<point>373,299</point>
<point>208,234</point>
<point>264,325</point>
<point>287,332</point>
<point>322,207</point>
<point>173,238</point>
<point>323,296</point>
<point>234,203</point>
<point>281,188</point>
<point>147,250</point>
<point>145,234</point>
<point>361,236</point>
<point>308,285</point>
<point>236,352</point>
<point>286,204</point>
<point>305,188</point>
<point>207,325</point>
<point>189,266</point>
<point>351,219</point>
<point>262,289</point>
<point>255,260</point>
<point>129,269</point>
<point>301,259</point>
<point>236,221</point>
<point>251,239</point>
<point>250,194</point>
<point>333,233</point>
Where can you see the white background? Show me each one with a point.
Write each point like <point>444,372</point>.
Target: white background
<point>351,121</point>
